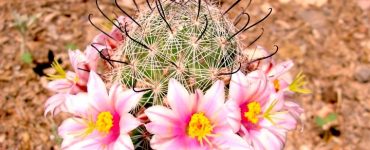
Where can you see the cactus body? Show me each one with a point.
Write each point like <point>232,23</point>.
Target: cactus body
<point>192,47</point>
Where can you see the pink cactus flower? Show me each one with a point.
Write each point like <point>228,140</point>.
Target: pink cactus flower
<point>193,121</point>
<point>107,45</point>
<point>101,120</point>
<point>257,112</point>
<point>64,83</point>
<point>277,73</point>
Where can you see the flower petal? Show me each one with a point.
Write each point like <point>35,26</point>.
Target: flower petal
<point>80,105</point>
<point>293,109</point>
<point>98,93</point>
<point>164,122</point>
<point>238,88</point>
<point>124,100</point>
<point>123,142</point>
<point>213,100</point>
<point>92,55</point>
<point>263,139</point>
<point>281,120</point>
<point>86,143</point>
<point>254,87</point>
<point>177,142</point>
<point>70,127</point>
<point>76,57</point>
<point>178,98</point>
<point>280,69</point>
<point>60,85</point>
<point>54,104</point>
<point>128,123</point>
<point>231,141</point>
<point>233,115</point>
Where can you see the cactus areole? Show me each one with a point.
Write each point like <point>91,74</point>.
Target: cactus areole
<point>195,44</point>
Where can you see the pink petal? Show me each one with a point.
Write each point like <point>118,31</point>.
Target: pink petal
<point>275,102</point>
<point>114,90</point>
<point>164,122</point>
<point>158,142</point>
<point>60,85</point>
<point>231,141</point>
<point>259,84</point>
<point>263,139</point>
<point>178,98</point>
<point>124,100</point>
<point>213,100</point>
<point>233,115</point>
<point>54,104</point>
<point>80,105</point>
<point>260,52</point>
<point>84,144</point>
<point>293,109</point>
<point>123,142</point>
<point>76,58</point>
<point>281,120</point>
<point>178,143</point>
<point>283,84</point>
<point>128,122</point>
<point>280,69</point>
<point>254,87</point>
<point>70,127</point>
<point>238,88</point>
<point>97,93</point>
<point>93,56</point>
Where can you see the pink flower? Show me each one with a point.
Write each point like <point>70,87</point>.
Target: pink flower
<point>107,45</point>
<point>193,121</point>
<point>256,111</point>
<point>284,85</point>
<point>277,73</point>
<point>64,83</point>
<point>101,120</point>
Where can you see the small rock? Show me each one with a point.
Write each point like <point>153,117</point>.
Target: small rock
<point>363,4</point>
<point>25,136</point>
<point>362,74</point>
<point>2,138</point>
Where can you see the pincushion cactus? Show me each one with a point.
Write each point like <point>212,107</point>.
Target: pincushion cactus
<point>173,63</point>
<point>189,42</point>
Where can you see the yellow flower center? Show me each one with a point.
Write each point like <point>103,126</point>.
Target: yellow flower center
<point>104,122</point>
<point>254,109</point>
<point>276,85</point>
<point>199,126</point>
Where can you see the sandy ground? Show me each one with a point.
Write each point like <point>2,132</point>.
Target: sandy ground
<point>329,40</point>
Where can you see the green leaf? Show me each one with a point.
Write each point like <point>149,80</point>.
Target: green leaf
<point>320,121</point>
<point>331,117</point>
<point>27,57</point>
<point>71,46</point>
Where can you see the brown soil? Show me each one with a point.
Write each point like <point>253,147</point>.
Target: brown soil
<point>329,40</point>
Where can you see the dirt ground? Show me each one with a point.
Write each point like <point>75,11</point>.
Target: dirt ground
<point>329,40</point>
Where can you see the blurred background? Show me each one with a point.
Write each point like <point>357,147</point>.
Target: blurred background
<point>329,41</point>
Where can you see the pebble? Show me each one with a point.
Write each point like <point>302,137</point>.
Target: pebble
<point>362,74</point>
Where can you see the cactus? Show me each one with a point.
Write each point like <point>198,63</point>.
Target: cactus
<point>192,42</point>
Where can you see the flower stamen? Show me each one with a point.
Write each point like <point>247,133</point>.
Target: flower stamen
<point>277,85</point>
<point>298,82</point>
<point>104,122</point>
<point>60,73</point>
<point>254,109</point>
<point>199,127</point>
